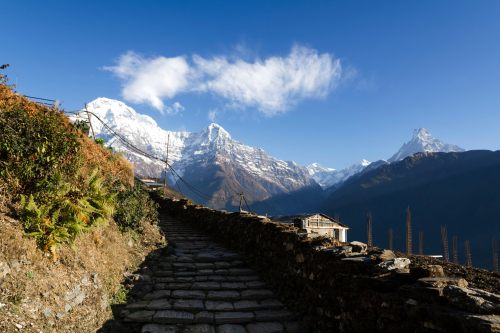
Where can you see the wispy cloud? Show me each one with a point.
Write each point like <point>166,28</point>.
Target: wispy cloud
<point>176,107</point>
<point>272,85</point>
<point>212,115</point>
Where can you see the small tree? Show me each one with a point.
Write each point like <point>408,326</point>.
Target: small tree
<point>3,77</point>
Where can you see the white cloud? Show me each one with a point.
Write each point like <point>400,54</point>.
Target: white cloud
<point>270,85</point>
<point>212,114</point>
<point>151,80</point>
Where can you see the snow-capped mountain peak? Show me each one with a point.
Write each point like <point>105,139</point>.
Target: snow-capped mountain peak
<point>315,168</point>
<point>215,131</point>
<point>327,177</point>
<point>423,141</point>
<point>364,163</point>
<point>110,111</point>
<point>422,134</point>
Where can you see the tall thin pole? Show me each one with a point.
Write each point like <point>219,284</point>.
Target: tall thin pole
<point>409,245</point>
<point>421,243</point>
<point>444,243</point>
<point>454,249</point>
<point>369,229</point>
<point>166,161</point>
<point>391,239</point>
<point>90,121</point>
<point>494,252</point>
<point>468,255</point>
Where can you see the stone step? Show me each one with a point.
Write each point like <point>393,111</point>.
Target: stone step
<point>253,280</point>
<point>171,316</point>
<point>236,276</point>
<point>269,327</point>
<point>197,328</point>
<point>169,276</point>
<point>189,264</point>
<point>183,283</point>
<point>166,303</point>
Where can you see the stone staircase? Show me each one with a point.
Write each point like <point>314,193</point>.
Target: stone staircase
<point>201,286</point>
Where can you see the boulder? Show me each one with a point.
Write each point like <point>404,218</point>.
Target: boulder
<point>339,250</point>
<point>435,271</point>
<point>395,264</point>
<point>358,247</point>
<point>473,300</point>
<point>441,282</point>
<point>362,259</point>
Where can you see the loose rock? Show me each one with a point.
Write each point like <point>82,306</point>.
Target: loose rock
<point>395,264</point>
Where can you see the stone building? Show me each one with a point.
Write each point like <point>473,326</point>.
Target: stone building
<point>316,225</point>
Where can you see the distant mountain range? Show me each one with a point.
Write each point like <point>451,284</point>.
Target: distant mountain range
<point>221,167</point>
<point>459,190</point>
<point>422,141</point>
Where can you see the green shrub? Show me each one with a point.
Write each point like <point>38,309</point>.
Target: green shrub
<point>134,206</point>
<point>121,296</point>
<point>36,148</point>
<point>83,126</point>
<point>99,141</point>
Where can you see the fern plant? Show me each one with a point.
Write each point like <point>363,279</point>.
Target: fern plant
<point>68,213</point>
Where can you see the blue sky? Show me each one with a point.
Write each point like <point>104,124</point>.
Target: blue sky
<point>371,71</point>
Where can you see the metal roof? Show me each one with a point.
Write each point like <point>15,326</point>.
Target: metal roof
<point>291,218</point>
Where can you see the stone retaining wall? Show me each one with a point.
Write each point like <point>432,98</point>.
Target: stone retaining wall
<point>347,288</point>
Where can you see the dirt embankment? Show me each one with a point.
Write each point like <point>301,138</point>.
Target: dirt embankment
<point>74,293</point>
<point>476,277</point>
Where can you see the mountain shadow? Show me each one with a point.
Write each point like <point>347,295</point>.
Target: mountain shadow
<point>305,200</point>
<point>459,190</point>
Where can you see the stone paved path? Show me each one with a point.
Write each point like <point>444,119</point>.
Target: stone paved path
<point>203,287</point>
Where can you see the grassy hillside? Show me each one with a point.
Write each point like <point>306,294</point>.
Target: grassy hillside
<point>73,222</point>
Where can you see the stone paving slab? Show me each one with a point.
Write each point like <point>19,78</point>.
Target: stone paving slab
<point>201,287</point>
<point>265,328</point>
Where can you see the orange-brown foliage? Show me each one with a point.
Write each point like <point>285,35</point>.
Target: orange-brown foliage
<point>112,166</point>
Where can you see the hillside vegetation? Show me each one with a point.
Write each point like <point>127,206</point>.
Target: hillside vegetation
<point>73,222</point>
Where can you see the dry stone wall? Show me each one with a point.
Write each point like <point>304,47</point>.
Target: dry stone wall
<point>347,287</point>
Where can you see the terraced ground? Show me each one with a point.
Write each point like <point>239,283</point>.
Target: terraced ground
<point>200,286</point>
